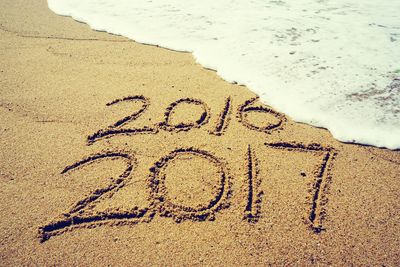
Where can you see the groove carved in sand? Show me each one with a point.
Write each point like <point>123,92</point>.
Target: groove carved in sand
<point>203,119</point>
<point>247,107</point>
<point>115,129</point>
<point>254,194</point>
<point>221,126</point>
<point>318,197</point>
<point>168,208</point>
<point>83,215</point>
<point>223,119</point>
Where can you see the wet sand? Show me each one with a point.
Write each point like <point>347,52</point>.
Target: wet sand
<point>118,153</point>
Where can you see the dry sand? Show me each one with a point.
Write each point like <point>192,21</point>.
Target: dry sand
<point>114,152</point>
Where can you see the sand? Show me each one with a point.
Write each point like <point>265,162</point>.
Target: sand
<point>118,153</point>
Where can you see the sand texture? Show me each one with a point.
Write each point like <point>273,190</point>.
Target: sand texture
<point>118,153</point>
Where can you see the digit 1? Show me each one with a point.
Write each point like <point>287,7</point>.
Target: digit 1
<point>252,211</point>
<point>223,119</point>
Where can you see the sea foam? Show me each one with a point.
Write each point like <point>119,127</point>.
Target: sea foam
<point>332,64</point>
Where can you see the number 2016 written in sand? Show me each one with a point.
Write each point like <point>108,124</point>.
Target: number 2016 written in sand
<point>82,215</point>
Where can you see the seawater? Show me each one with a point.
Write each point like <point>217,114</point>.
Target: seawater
<point>330,63</point>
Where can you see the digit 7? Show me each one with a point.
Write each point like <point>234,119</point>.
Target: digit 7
<point>318,197</point>
<point>323,178</point>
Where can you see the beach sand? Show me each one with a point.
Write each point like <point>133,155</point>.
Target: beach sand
<point>119,153</point>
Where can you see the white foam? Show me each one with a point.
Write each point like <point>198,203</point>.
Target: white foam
<point>330,63</point>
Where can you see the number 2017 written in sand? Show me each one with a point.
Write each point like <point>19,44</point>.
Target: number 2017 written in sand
<point>82,215</point>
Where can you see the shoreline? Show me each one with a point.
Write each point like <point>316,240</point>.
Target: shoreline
<point>118,153</point>
<point>216,71</point>
<point>300,86</point>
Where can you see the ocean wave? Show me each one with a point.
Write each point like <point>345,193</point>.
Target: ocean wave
<point>333,64</point>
